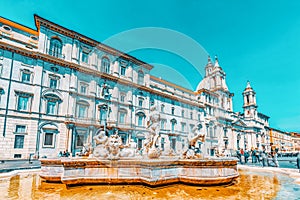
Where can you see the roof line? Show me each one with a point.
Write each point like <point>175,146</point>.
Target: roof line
<point>172,84</point>
<point>18,26</point>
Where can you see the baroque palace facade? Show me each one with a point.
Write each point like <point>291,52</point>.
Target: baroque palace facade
<point>58,88</point>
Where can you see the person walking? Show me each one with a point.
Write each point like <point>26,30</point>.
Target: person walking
<point>253,152</point>
<point>264,157</point>
<point>242,156</point>
<point>257,155</point>
<point>246,156</point>
<point>298,161</point>
<point>275,160</point>
<point>60,154</point>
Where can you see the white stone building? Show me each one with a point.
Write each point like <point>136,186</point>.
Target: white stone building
<point>58,87</point>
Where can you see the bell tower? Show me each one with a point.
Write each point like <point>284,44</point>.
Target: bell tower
<point>250,107</point>
<point>209,67</point>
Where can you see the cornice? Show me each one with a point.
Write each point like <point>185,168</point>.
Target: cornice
<point>172,85</point>
<point>18,26</point>
<point>39,21</point>
<point>61,62</point>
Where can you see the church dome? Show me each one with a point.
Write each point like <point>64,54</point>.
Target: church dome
<point>204,84</point>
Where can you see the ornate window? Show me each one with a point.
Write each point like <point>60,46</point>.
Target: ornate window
<point>104,111</point>
<point>173,111</point>
<point>162,108</point>
<point>140,118</point>
<point>105,65</point>
<point>26,75</point>
<point>123,70</point>
<point>80,138</point>
<point>20,129</point>
<point>85,57</point>
<point>23,101</point>
<point>52,102</point>
<point>56,48</point>
<point>173,123</point>
<point>122,97</point>
<point>140,77</point>
<point>53,81</point>
<point>141,100</point>
<point>83,88</point>
<point>173,143</point>
<point>49,135</point>
<point>183,127</point>
<point>122,116</point>
<point>19,137</point>
<point>48,141</point>
<point>82,109</point>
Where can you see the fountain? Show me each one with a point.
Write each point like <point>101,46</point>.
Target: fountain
<point>111,162</point>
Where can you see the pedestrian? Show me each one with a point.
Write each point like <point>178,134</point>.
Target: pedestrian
<point>257,155</point>
<point>242,156</point>
<point>275,160</point>
<point>246,156</point>
<point>298,161</point>
<point>67,153</point>
<point>253,152</point>
<point>60,154</point>
<point>264,157</point>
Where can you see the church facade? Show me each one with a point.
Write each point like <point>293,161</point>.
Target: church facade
<point>58,88</point>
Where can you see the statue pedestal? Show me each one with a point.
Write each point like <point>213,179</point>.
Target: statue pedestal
<point>153,172</point>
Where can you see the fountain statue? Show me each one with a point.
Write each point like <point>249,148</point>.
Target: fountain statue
<point>113,162</point>
<point>101,143</point>
<point>197,134</point>
<point>111,147</point>
<point>153,126</point>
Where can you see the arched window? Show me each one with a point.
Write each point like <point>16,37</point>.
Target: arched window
<point>141,77</point>
<point>105,65</point>
<point>140,118</point>
<point>55,48</point>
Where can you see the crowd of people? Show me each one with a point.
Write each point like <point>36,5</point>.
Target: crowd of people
<point>64,154</point>
<point>263,157</point>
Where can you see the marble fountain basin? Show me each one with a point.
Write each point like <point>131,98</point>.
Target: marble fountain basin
<point>151,172</point>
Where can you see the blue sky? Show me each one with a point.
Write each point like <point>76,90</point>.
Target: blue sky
<point>254,40</point>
